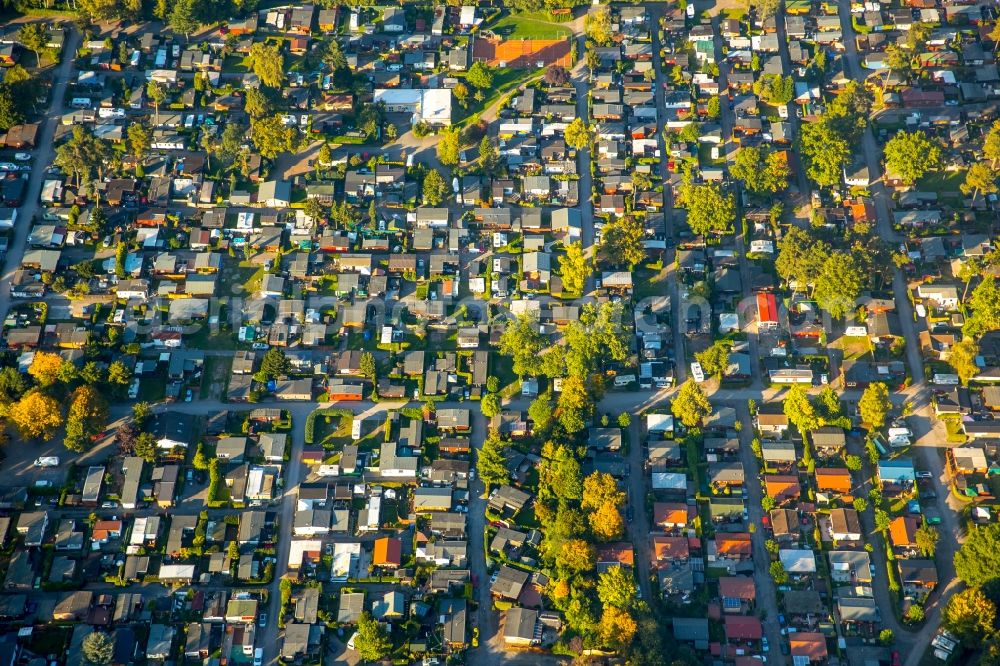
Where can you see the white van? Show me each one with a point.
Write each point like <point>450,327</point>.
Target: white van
<point>624,380</point>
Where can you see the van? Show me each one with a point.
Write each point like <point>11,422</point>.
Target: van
<point>116,114</point>
<point>624,380</point>
<point>80,102</point>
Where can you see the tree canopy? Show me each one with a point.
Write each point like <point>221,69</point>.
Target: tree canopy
<point>825,152</point>
<point>710,210</point>
<point>690,405</point>
<point>621,241</point>
<point>977,562</point>
<point>267,62</point>
<point>875,405</point>
<point>371,641</point>
<point>910,155</point>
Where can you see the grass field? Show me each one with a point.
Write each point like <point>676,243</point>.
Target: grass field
<point>942,182</point>
<point>524,26</point>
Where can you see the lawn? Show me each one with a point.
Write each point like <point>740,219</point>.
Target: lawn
<point>504,81</point>
<point>526,26</point>
<point>942,182</point>
<point>650,282</point>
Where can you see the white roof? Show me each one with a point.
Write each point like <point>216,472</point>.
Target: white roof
<point>301,547</point>
<point>798,561</point>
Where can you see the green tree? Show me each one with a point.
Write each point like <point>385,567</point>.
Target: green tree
<point>119,374</point>
<point>616,587</point>
<point>540,413</point>
<point>98,649</point>
<point>991,143</point>
<point>977,562</point>
<point>962,359</point>
<point>622,241</point>
<point>715,359</point>
<point>983,309</point>
<point>34,37</point>
<point>597,25</point>
<point>489,158</point>
<point>926,539</point>
<point>624,420</point>
<point>575,404</point>
<point>577,134</point>
<point>448,148</point>
<point>778,573</point>
<point>970,615</point>
<point>559,475</point>
<point>200,460</point>
<point>575,268</point>
<point>490,405</point>
<point>800,258</point>
<point>838,284</point>
<point>271,137</point>
<point>10,111</point>
<point>275,364</point>
<point>480,75</point>
<point>886,637</point>
<point>157,94</point>
<point>82,155</point>
<point>257,104</point>
<point>491,461</point>
<point>713,107</point>
<point>875,405</point>
<point>910,155</point>
<point>710,211</point>
<point>267,62</point>
<point>184,17</point>
<point>367,366</point>
<point>435,188</point>
<point>760,171</point>
<point>139,140</point>
<point>371,641</point>
<point>853,463</point>
<point>800,411</point>
<point>860,504</point>
<point>690,405</point>
<point>522,341</point>
<point>979,179</point>
<point>825,152</point>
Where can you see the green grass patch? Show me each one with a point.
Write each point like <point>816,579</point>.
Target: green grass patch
<point>942,182</point>
<point>504,81</point>
<point>650,282</point>
<point>533,25</point>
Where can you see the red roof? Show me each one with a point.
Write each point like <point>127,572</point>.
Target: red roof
<point>743,628</point>
<point>737,587</point>
<point>767,309</point>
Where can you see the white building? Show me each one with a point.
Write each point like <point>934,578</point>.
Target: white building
<point>432,106</point>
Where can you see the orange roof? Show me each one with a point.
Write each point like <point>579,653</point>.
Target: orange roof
<point>670,513</point>
<point>733,544</point>
<point>669,548</point>
<point>619,553</point>
<point>767,308</point>
<point>810,644</point>
<point>833,478</point>
<point>782,486</point>
<point>903,531</point>
<point>388,552</point>
<point>737,587</point>
<point>522,52</point>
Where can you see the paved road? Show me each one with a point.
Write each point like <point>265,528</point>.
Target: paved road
<point>43,156</point>
<point>767,595</point>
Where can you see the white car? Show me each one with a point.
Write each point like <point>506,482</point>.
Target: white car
<point>22,157</point>
<point>47,461</point>
<point>8,166</point>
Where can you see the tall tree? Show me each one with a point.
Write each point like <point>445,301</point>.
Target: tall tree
<point>875,405</point>
<point>622,241</point>
<point>34,37</point>
<point>962,359</point>
<point>979,179</point>
<point>448,148</point>
<point>36,415</point>
<point>435,189</point>
<point>710,211</point>
<point>715,359</point>
<point>690,405</point>
<point>825,152</point>
<point>799,409</point>
<point>577,134</point>
<point>616,587</point>
<point>800,258</point>
<point>267,63</point>
<point>139,140</point>
<point>97,649</point>
<point>184,17</point>
<point>371,641</point>
<point>157,94</point>
<point>838,284</point>
<point>575,268</point>
<point>522,341</point>
<point>597,25</point>
<point>491,461</point>
<point>977,562</point>
<point>983,309</point>
<point>910,155</point>
<point>480,75</point>
<point>970,615</point>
